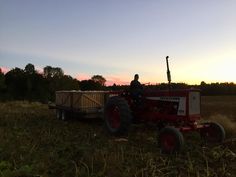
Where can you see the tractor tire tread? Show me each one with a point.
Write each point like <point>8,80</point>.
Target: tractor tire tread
<point>125,115</point>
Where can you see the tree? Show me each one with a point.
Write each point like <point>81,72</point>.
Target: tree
<point>57,72</point>
<point>29,69</point>
<point>68,83</point>
<point>16,83</point>
<point>203,83</point>
<point>39,88</point>
<point>89,85</point>
<point>2,80</point>
<point>99,79</point>
<point>49,72</point>
<point>30,73</point>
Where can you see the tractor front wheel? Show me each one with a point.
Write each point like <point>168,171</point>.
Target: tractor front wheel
<point>117,116</point>
<point>213,133</point>
<point>170,140</point>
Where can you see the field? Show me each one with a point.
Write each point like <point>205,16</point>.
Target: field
<point>33,143</point>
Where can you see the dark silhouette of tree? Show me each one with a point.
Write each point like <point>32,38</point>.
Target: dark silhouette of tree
<point>39,88</point>
<point>89,85</point>
<point>29,69</point>
<point>30,74</point>
<point>99,79</point>
<point>203,83</point>
<point>68,83</point>
<point>57,72</point>
<point>53,77</point>
<point>16,83</point>
<point>218,88</point>
<point>49,72</point>
<point>2,86</point>
<point>2,81</point>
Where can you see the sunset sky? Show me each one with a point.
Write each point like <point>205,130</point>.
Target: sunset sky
<point>118,38</point>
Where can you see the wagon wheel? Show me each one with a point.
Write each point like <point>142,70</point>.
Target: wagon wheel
<point>117,116</point>
<point>62,114</point>
<point>170,140</point>
<point>58,114</point>
<point>65,115</point>
<point>213,133</point>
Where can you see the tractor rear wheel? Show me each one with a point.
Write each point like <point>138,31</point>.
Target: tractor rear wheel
<point>213,133</point>
<point>117,116</point>
<point>170,140</point>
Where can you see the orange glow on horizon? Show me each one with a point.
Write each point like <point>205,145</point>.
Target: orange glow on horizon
<point>4,69</point>
<point>116,80</point>
<point>83,76</point>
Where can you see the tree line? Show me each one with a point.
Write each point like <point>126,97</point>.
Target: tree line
<point>212,89</point>
<point>29,84</point>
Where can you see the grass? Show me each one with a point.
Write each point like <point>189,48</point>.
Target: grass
<point>33,143</point>
<point>221,109</point>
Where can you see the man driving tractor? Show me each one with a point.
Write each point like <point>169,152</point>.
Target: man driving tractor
<point>136,88</point>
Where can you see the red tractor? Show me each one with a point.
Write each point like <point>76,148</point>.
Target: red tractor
<point>173,111</point>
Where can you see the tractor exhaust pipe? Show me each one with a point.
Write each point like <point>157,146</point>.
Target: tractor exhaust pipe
<point>168,72</point>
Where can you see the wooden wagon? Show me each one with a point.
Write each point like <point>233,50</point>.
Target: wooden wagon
<point>88,104</point>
